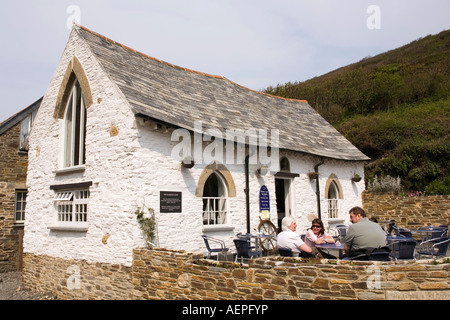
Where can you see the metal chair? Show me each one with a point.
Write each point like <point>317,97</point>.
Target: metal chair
<point>373,254</point>
<point>445,230</point>
<point>380,256</point>
<point>403,249</point>
<point>243,250</point>
<point>285,252</point>
<point>390,227</point>
<point>222,248</point>
<point>402,232</point>
<point>430,232</point>
<point>248,237</point>
<point>437,247</point>
<point>438,233</point>
<point>342,231</point>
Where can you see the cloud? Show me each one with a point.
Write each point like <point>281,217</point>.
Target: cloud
<point>254,43</point>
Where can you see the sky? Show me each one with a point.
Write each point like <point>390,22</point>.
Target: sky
<point>255,43</point>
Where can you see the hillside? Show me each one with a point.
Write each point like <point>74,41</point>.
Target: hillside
<point>395,107</point>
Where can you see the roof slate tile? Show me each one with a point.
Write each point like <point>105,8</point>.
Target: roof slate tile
<point>180,96</point>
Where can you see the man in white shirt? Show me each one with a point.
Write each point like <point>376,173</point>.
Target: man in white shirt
<point>289,239</point>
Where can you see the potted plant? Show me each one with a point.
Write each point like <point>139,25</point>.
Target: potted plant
<point>313,175</point>
<point>356,178</point>
<point>188,163</point>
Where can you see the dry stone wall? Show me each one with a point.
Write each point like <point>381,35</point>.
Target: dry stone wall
<point>408,212</point>
<point>162,274</point>
<point>13,171</point>
<point>77,279</point>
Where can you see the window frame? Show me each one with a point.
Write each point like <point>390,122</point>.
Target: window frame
<point>72,209</point>
<point>74,154</point>
<point>23,203</point>
<point>212,213</point>
<point>333,200</point>
<point>26,125</point>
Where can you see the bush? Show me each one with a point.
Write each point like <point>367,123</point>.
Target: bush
<point>385,184</point>
<point>439,187</point>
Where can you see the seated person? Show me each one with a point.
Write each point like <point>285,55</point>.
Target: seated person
<point>317,234</point>
<point>289,239</point>
<point>362,234</point>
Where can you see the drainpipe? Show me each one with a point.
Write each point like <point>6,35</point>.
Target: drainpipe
<point>247,192</point>
<point>316,170</point>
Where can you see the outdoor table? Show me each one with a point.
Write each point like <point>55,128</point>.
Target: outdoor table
<point>395,239</point>
<point>332,246</point>
<point>258,239</point>
<point>427,233</point>
<point>398,238</point>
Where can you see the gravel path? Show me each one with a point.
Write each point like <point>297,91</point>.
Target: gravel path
<point>11,288</point>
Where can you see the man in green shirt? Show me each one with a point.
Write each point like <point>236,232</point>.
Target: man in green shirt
<point>362,234</point>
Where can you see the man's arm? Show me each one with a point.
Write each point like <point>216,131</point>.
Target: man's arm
<point>348,241</point>
<point>305,248</point>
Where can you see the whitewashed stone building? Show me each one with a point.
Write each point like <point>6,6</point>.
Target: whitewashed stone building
<point>113,128</point>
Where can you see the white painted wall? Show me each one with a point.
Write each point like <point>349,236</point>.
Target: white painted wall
<point>110,207</point>
<point>129,170</point>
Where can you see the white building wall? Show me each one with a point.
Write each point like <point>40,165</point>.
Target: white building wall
<point>110,207</point>
<point>128,172</point>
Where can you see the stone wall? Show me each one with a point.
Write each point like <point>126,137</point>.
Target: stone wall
<point>168,275</point>
<point>80,280</point>
<point>408,212</point>
<point>162,274</point>
<point>13,170</point>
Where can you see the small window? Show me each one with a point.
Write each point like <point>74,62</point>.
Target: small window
<point>215,201</point>
<point>333,201</point>
<point>72,206</point>
<point>25,129</point>
<point>285,165</point>
<point>21,202</point>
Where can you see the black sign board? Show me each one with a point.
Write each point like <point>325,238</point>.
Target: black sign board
<point>264,199</point>
<point>169,201</point>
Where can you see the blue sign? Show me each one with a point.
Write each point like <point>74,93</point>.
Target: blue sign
<point>264,199</point>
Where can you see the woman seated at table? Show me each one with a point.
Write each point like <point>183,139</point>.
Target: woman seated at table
<point>317,234</point>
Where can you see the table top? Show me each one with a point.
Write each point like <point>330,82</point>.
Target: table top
<point>427,230</point>
<point>247,235</point>
<point>399,238</point>
<point>330,246</point>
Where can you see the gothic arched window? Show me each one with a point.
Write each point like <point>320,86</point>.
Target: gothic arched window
<point>74,128</point>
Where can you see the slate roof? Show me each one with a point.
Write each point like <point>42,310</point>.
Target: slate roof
<point>179,96</point>
<point>18,117</point>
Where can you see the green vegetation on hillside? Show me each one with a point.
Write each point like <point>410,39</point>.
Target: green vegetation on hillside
<point>395,108</point>
<point>411,142</point>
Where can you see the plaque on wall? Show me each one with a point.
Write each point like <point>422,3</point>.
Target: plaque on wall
<point>170,202</point>
<point>264,202</point>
